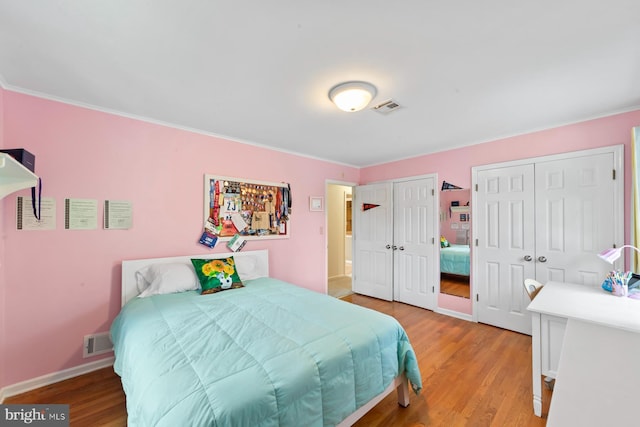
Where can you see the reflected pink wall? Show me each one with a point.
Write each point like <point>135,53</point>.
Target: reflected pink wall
<point>64,284</point>
<point>454,166</point>
<point>446,197</point>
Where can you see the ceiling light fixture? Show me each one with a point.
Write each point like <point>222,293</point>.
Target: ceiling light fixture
<point>352,96</point>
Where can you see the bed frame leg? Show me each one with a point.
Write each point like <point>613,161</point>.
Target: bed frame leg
<point>403,392</point>
<point>401,385</point>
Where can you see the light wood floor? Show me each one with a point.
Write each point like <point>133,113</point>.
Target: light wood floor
<point>94,399</point>
<point>339,287</point>
<point>473,375</point>
<point>455,285</point>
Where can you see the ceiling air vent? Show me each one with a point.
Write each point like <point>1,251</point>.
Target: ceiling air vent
<point>386,107</point>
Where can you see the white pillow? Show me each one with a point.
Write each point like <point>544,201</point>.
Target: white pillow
<point>247,268</point>
<point>167,278</point>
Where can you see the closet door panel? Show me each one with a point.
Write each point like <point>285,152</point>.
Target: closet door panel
<point>414,242</point>
<point>516,221</point>
<point>574,199</point>
<point>373,236</point>
<point>505,217</point>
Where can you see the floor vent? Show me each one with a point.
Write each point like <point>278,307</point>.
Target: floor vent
<point>386,106</point>
<point>97,344</point>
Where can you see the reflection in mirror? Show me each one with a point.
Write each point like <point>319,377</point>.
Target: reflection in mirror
<point>455,224</point>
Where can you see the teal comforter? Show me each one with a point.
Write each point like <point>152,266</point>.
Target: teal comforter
<point>268,354</point>
<point>455,260</point>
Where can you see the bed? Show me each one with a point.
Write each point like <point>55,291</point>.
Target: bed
<point>266,354</point>
<point>455,260</point>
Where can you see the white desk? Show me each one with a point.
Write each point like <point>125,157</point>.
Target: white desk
<point>598,380</point>
<point>558,303</point>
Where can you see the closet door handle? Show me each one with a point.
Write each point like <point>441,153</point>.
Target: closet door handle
<point>528,258</point>
<point>401,248</point>
<point>394,247</point>
<point>542,259</point>
<point>388,246</point>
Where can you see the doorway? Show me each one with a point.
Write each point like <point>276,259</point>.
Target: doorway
<point>339,240</point>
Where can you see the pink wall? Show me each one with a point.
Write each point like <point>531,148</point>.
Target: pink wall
<point>454,166</point>
<point>61,285</point>
<point>64,284</point>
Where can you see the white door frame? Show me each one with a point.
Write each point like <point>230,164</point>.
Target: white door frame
<point>618,196</point>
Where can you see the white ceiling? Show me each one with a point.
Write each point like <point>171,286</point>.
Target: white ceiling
<point>256,71</point>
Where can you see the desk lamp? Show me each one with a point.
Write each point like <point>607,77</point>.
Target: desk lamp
<point>612,254</point>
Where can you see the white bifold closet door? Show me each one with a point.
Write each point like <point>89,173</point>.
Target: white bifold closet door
<point>415,234</point>
<point>372,238</point>
<point>546,220</point>
<point>395,237</point>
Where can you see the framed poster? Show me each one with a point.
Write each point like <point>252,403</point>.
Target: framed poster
<point>252,209</point>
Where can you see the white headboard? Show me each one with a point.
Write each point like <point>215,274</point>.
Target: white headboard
<point>250,265</point>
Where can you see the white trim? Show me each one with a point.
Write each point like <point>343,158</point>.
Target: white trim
<point>48,379</point>
<point>437,233</point>
<point>453,313</point>
<point>404,179</point>
<point>338,182</point>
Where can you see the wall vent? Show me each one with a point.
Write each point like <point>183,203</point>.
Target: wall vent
<point>386,107</point>
<point>97,344</point>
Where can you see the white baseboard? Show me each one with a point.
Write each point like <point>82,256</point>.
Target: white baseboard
<point>453,313</point>
<point>45,380</point>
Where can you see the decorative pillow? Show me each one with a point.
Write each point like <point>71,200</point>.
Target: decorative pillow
<point>217,274</point>
<point>167,278</point>
<point>444,242</point>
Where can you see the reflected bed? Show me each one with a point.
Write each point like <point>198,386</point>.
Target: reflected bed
<point>455,259</point>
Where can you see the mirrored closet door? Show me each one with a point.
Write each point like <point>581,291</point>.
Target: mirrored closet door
<point>455,233</point>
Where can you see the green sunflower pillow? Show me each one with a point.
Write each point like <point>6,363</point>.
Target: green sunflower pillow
<point>217,274</point>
